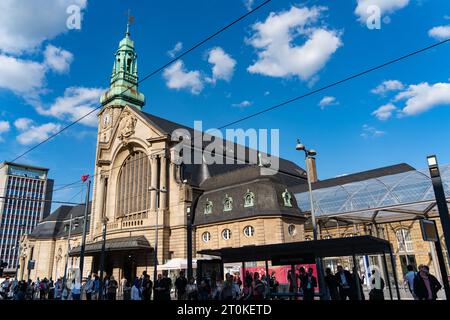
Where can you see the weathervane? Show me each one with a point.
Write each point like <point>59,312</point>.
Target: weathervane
<point>130,20</point>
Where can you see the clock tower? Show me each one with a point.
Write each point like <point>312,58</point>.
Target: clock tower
<point>123,88</point>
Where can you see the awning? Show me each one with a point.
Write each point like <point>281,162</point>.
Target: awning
<point>116,244</point>
<point>364,245</point>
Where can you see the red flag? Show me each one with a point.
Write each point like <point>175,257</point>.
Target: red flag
<point>84,177</point>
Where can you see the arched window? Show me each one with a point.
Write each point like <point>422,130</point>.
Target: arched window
<point>206,236</point>
<point>133,184</point>
<point>227,203</point>
<point>404,240</point>
<point>249,199</point>
<point>292,230</point>
<point>226,234</point>
<point>249,231</point>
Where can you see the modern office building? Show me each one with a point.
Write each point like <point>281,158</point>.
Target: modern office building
<point>25,199</point>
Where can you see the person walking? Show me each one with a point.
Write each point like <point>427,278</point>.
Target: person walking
<point>76,290</point>
<point>257,287</point>
<point>146,287</point>
<point>96,291</point>
<point>111,288</point>
<point>51,289</point>
<point>377,282</point>
<point>345,281</point>
<point>309,284</point>
<point>331,284</point>
<point>180,286</point>
<point>58,289</point>
<point>89,287</point>
<point>135,290</point>
<point>192,290</point>
<point>126,290</point>
<point>408,280</point>
<point>426,286</point>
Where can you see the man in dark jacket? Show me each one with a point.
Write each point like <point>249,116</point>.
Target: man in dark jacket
<point>345,283</point>
<point>426,286</point>
<point>309,283</point>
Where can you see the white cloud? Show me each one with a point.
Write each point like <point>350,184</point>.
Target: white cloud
<point>21,76</point>
<point>371,132</point>
<point>385,6</point>
<point>440,32</point>
<point>266,93</point>
<point>4,127</point>
<point>249,4</point>
<point>25,24</point>
<point>75,103</point>
<point>384,112</point>
<point>178,47</point>
<point>423,96</point>
<point>57,59</point>
<point>223,65</point>
<point>23,123</point>
<point>31,133</point>
<point>242,104</point>
<point>328,101</point>
<point>278,56</point>
<point>388,85</point>
<point>177,77</point>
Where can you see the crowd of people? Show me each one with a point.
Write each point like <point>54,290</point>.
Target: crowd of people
<point>302,283</point>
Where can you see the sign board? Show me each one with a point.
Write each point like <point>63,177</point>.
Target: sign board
<point>429,230</point>
<point>31,264</point>
<point>293,260</point>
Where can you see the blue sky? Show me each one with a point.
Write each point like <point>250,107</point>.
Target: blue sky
<point>50,74</point>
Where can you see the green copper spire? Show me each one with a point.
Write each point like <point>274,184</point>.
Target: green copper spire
<point>124,76</point>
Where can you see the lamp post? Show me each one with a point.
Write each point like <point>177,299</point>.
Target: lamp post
<point>190,221</point>
<point>68,249</point>
<point>308,154</point>
<point>102,256</point>
<point>83,239</point>
<point>155,251</point>
<point>441,201</point>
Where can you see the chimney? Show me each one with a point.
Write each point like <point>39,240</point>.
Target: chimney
<point>311,163</point>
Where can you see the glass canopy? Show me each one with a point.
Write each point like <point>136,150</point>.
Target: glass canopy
<point>396,197</point>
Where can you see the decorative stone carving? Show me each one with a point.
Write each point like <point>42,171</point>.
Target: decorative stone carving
<point>287,198</point>
<point>127,126</point>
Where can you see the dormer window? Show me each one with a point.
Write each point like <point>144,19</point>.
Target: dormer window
<point>208,207</point>
<point>227,203</point>
<point>66,228</point>
<point>249,199</point>
<point>287,198</point>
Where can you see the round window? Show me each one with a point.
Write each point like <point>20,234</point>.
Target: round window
<point>292,230</point>
<point>206,236</point>
<point>249,231</point>
<point>226,234</point>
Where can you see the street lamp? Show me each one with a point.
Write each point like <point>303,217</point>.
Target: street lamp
<point>155,251</point>
<point>68,248</point>
<point>309,153</point>
<point>102,256</point>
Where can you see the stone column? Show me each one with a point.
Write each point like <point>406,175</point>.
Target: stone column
<point>101,199</point>
<point>163,183</point>
<point>154,182</point>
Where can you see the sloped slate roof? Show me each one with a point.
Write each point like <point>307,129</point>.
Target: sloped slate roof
<point>194,171</point>
<point>267,190</point>
<point>53,225</point>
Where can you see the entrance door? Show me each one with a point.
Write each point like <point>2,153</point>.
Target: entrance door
<point>129,268</point>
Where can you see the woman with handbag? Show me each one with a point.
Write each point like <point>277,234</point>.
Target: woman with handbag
<point>377,287</point>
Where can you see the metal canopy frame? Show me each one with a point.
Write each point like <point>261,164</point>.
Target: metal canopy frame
<point>391,198</point>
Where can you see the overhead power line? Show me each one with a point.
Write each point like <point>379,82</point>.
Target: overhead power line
<point>356,75</point>
<point>157,70</point>
<point>333,84</point>
<point>38,200</point>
